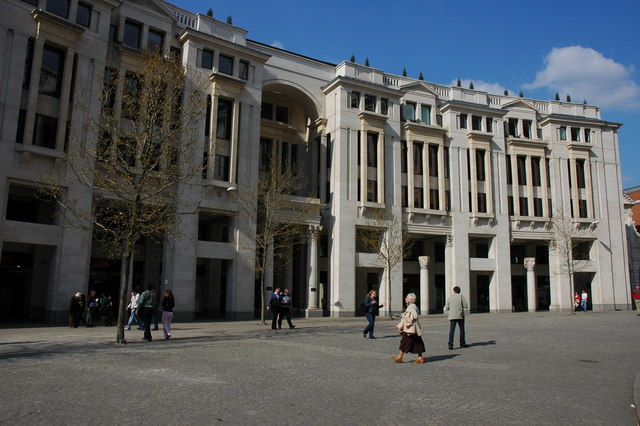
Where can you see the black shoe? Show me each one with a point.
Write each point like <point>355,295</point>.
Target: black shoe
<point>450,347</point>
<point>154,328</point>
<point>293,326</point>
<point>373,338</point>
<point>464,345</point>
<point>273,328</point>
<point>364,335</point>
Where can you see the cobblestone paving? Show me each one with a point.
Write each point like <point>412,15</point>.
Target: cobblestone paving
<point>542,368</point>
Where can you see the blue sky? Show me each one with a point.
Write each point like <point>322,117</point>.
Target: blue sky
<point>587,49</point>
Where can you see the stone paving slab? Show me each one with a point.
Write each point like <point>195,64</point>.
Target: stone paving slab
<point>528,368</point>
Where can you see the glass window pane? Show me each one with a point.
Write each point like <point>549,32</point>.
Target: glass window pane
<point>225,65</point>
<point>207,59</point>
<point>58,7</point>
<point>83,15</point>
<point>132,34</point>
<point>155,40</point>
<point>51,72</point>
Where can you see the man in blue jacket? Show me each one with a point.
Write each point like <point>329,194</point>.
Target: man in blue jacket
<point>274,306</point>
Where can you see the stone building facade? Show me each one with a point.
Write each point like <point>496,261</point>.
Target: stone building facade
<point>473,178</point>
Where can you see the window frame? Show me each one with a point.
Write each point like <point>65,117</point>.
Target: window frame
<point>225,67</point>
<point>86,7</point>
<point>127,35</point>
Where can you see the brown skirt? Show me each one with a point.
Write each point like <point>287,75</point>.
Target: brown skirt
<point>412,343</point>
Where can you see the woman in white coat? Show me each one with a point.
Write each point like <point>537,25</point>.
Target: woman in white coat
<point>411,331</point>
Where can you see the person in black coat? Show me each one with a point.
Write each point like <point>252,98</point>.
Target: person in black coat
<point>371,311</point>
<point>75,310</point>
<point>273,305</point>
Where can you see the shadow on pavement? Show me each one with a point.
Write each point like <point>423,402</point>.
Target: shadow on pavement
<point>487,343</point>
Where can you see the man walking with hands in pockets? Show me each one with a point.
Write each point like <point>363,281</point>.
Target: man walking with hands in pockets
<point>456,305</point>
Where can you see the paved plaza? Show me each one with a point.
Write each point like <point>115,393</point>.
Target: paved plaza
<point>525,368</point>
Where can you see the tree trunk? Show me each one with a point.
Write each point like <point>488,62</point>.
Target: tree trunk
<point>125,275</point>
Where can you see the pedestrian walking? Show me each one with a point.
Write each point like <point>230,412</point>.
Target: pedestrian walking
<point>576,301</point>
<point>168,302</point>
<point>133,306</point>
<point>409,327</point>
<point>456,305</point>
<point>285,308</point>
<point>636,298</point>
<point>273,305</point>
<point>93,308</point>
<point>371,311</point>
<point>583,300</point>
<point>147,303</point>
<point>109,309</point>
<point>75,308</point>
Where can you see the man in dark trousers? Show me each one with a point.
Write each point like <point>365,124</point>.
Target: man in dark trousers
<point>456,305</point>
<point>274,306</point>
<point>285,308</point>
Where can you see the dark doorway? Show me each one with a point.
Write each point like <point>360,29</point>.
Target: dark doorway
<point>519,293</point>
<point>440,293</point>
<point>544,292</point>
<point>482,293</point>
<point>15,281</point>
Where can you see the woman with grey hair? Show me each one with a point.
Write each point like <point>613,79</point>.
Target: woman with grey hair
<point>411,331</point>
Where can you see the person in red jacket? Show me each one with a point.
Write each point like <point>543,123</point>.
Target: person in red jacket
<point>636,298</point>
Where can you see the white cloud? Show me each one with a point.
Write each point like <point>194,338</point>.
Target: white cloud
<point>277,44</point>
<point>493,88</point>
<point>585,73</point>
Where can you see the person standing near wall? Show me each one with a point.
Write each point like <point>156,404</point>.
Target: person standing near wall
<point>636,298</point>
<point>583,300</point>
<point>147,303</point>
<point>168,302</point>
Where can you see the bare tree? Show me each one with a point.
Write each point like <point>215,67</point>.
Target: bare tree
<point>564,242</point>
<point>141,157</point>
<point>276,216</point>
<point>384,236</point>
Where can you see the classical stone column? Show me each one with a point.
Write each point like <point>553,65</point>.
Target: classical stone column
<point>312,307</point>
<point>424,284</point>
<point>530,263</point>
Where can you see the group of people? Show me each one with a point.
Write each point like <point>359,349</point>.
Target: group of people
<point>143,308</point>
<point>580,301</point>
<point>280,306</point>
<point>409,325</point>
<point>95,306</point>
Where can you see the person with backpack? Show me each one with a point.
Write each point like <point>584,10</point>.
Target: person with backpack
<point>371,311</point>
<point>285,308</point>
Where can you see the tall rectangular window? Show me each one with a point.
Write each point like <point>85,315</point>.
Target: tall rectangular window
<point>266,111</point>
<point>433,160</point>
<point>582,209</point>
<point>206,59</point>
<point>207,118</point>
<point>480,169</point>
<point>524,206</point>
<point>83,15</point>
<point>425,114</point>
<point>563,133</point>
<point>482,202</point>
<point>131,96</point>
<point>225,64</point>
<point>526,129</point>
<point>132,34</point>
<point>489,124</point>
<point>434,199</point>
<point>28,63</point>
<point>403,157</point>
<point>580,174</point>
<point>58,7</point>
<point>109,81</point>
<point>221,168</point>
<point>384,106</point>
<point>265,154</point>
<point>535,171</point>
<point>223,120</point>
<point>575,134</point>
<point>522,169</point>
<point>403,194</point>
<point>476,123</point>
<point>155,41</point>
<point>509,170</point>
<point>513,127</point>
<point>282,114</point>
<point>463,121</point>
<point>410,111</point>
<point>44,131</point>
<point>372,191</point>
<point>372,149</point>
<point>417,158</point>
<point>418,199</point>
<point>587,135</point>
<point>355,100</point>
<point>537,207</point>
<point>243,70</point>
<point>369,103</point>
<point>51,71</point>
